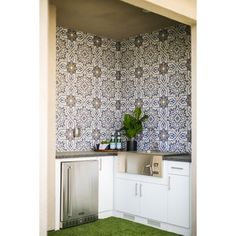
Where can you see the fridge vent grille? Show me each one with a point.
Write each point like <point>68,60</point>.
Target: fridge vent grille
<point>79,221</point>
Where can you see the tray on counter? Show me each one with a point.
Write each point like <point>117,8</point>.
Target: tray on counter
<point>109,150</point>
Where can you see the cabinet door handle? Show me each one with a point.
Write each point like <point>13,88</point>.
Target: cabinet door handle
<point>168,182</point>
<point>140,190</point>
<point>100,166</point>
<point>136,189</point>
<point>176,168</point>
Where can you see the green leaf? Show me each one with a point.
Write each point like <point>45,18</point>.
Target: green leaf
<point>137,112</point>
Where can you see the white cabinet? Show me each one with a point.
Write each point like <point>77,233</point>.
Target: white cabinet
<point>165,199</point>
<point>127,198</point>
<point>178,194</point>
<point>143,199</point>
<point>105,195</point>
<point>153,201</point>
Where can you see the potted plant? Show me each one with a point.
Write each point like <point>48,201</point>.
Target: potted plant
<point>104,145</point>
<point>132,126</point>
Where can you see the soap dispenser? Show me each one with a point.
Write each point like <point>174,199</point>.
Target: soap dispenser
<point>113,142</point>
<point>118,141</point>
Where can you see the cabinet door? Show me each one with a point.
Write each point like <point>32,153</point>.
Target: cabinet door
<point>127,198</point>
<point>153,201</point>
<point>105,184</point>
<point>179,200</point>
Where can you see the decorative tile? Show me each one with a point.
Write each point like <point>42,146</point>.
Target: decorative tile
<point>177,118</point>
<point>163,102</point>
<point>71,67</point>
<point>178,84</point>
<point>163,35</point>
<point>127,59</point>
<point>118,105</point>
<point>163,68</point>
<point>150,55</point>
<point>70,101</point>
<point>139,102</point>
<point>71,35</point>
<point>97,103</point>
<point>97,71</point>
<point>84,54</point>
<point>118,46</point>
<point>118,75</point>
<point>138,72</point>
<point>138,41</point>
<point>96,134</point>
<point>150,87</point>
<point>108,59</point>
<point>69,134</point>
<point>99,80</point>
<point>163,135</point>
<point>128,88</point>
<point>97,41</point>
<point>108,89</point>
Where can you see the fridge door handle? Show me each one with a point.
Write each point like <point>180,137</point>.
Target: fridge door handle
<point>69,206</point>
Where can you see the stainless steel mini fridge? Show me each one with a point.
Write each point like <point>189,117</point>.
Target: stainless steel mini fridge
<point>79,192</point>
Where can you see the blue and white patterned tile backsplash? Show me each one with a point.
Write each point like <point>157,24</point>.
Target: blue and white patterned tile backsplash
<point>99,80</point>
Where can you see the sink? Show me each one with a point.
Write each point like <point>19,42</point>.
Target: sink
<point>140,163</point>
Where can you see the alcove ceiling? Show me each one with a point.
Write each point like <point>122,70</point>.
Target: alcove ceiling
<point>108,18</point>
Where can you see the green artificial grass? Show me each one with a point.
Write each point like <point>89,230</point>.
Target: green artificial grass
<point>111,226</point>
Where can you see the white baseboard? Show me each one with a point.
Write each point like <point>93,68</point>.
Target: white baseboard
<point>154,224</point>
<point>105,214</point>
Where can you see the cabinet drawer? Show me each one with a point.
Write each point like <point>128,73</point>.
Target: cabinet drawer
<point>178,168</point>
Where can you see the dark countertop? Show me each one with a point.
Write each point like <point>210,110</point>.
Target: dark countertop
<point>83,154</point>
<point>183,158</point>
<point>167,156</point>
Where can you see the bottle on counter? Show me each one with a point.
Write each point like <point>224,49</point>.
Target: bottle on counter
<point>118,141</point>
<point>113,142</point>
